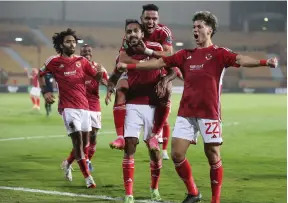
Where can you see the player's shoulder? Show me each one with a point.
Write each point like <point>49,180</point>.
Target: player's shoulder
<point>52,59</point>
<point>154,45</point>
<point>164,29</point>
<point>222,49</point>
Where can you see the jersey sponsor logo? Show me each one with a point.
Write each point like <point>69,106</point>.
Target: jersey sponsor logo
<point>68,73</point>
<point>208,56</point>
<point>196,67</point>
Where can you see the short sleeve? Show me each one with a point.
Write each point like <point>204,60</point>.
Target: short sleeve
<point>47,67</point>
<point>229,58</point>
<point>176,59</point>
<point>166,36</point>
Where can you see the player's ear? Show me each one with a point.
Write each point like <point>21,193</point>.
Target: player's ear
<point>61,46</point>
<point>210,30</point>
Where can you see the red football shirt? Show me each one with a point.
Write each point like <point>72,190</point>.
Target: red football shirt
<point>92,90</point>
<point>203,71</point>
<point>69,73</point>
<point>162,34</point>
<point>35,82</point>
<point>141,82</point>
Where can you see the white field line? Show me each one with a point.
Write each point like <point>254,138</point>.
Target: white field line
<point>61,136</point>
<point>51,192</point>
<point>45,136</point>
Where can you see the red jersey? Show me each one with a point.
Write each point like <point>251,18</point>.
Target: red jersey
<point>92,90</point>
<point>69,74</point>
<point>35,82</point>
<point>203,71</point>
<point>141,82</point>
<point>161,34</point>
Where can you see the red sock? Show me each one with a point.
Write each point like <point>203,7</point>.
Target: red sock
<point>119,113</point>
<point>33,100</point>
<point>216,177</point>
<point>185,172</point>
<point>161,115</point>
<point>38,101</point>
<point>91,151</point>
<point>71,157</point>
<point>155,173</point>
<point>83,167</point>
<point>166,135</point>
<point>128,175</point>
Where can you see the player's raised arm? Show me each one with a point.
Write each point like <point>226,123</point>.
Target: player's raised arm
<point>147,65</point>
<point>249,62</point>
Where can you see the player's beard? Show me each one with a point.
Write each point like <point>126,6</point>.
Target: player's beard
<point>133,41</point>
<point>68,51</point>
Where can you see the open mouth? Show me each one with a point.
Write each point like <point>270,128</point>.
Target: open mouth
<point>196,36</point>
<point>133,41</point>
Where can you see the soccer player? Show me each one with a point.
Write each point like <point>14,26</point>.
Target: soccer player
<point>35,91</point>
<point>203,70</point>
<point>141,102</point>
<point>153,32</point>
<point>92,92</point>
<point>69,71</point>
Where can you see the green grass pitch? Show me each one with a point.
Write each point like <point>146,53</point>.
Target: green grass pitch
<point>253,153</point>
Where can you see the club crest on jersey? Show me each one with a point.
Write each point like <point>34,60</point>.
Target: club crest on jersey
<point>61,66</point>
<point>208,56</point>
<point>78,64</point>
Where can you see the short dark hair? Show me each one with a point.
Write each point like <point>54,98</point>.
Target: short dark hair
<point>58,39</point>
<point>149,7</point>
<point>210,19</point>
<point>129,21</point>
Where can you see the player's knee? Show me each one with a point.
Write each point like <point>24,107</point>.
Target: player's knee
<point>212,152</point>
<point>177,156</point>
<point>130,145</point>
<point>93,136</point>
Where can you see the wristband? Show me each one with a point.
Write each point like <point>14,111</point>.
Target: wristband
<point>131,66</point>
<point>263,62</point>
<point>149,52</point>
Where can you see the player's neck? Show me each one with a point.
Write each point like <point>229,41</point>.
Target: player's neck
<point>205,44</point>
<point>68,56</point>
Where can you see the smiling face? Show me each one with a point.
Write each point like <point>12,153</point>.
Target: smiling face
<point>201,32</point>
<point>133,34</point>
<point>150,20</point>
<point>86,51</point>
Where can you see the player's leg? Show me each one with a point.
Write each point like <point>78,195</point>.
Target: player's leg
<point>119,112</point>
<point>211,134</point>
<point>161,116</point>
<point>133,125</point>
<point>73,119</point>
<point>148,113</point>
<point>32,96</point>
<point>92,147</point>
<point>165,135</point>
<point>155,168</point>
<point>184,132</point>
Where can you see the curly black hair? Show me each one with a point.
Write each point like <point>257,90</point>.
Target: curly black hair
<point>58,39</point>
<point>149,7</point>
<point>210,19</point>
